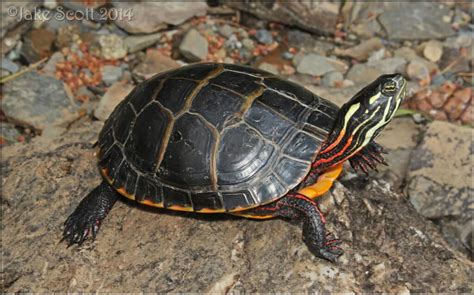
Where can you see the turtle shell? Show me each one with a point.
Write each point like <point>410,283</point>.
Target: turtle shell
<point>213,138</point>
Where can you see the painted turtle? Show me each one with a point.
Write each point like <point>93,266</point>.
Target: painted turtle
<point>226,138</point>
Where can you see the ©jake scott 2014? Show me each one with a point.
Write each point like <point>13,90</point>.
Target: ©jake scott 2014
<point>101,14</point>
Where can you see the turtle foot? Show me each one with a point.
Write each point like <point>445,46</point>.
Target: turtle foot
<point>328,249</point>
<point>88,216</point>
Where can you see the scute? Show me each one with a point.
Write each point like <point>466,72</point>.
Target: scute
<point>213,138</point>
<point>187,160</point>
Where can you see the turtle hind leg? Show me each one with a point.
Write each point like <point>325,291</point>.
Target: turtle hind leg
<point>297,206</point>
<point>89,214</point>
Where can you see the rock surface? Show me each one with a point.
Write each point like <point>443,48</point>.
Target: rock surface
<point>433,190</point>
<point>114,95</point>
<point>318,18</point>
<point>415,21</point>
<point>149,17</point>
<point>388,246</point>
<point>439,183</point>
<point>36,100</point>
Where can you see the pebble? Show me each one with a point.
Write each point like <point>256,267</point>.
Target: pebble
<point>416,70</point>
<point>67,34</point>
<point>362,51</point>
<point>226,30</point>
<point>363,74</point>
<point>9,133</point>
<point>332,79</point>
<point>377,55</point>
<point>264,36</point>
<point>111,74</point>
<point>433,50</point>
<point>194,46</point>
<point>112,46</point>
<point>114,95</point>
<point>139,42</point>
<point>155,62</point>
<point>314,65</point>
<point>37,44</point>
<point>248,43</point>
<point>269,68</point>
<point>9,65</point>
<point>389,65</point>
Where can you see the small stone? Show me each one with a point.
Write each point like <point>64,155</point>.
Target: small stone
<point>9,134</point>
<point>36,100</point>
<point>264,36</point>
<point>332,79</point>
<point>111,74</point>
<point>226,30</point>
<point>363,74</point>
<point>194,46</point>
<point>9,65</point>
<point>288,55</point>
<point>389,65</point>
<point>458,103</point>
<point>362,51</point>
<point>37,44</point>
<point>112,46</point>
<point>221,53</point>
<point>229,60</point>
<point>139,42</point>
<point>467,116</point>
<point>433,50</point>
<point>417,71</point>
<point>248,43</point>
<point>377,55</point>
<point>314,65</point>
<point>50,66</point>
<point>155,62</point>
<point>67,34</point>
<point>114,95</point>
<point>288,70</point>
<point>269,68</point>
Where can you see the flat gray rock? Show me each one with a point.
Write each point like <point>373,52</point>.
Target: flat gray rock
<point>150,17</point>
<point>388,246</point>
<point>36,100</point>
<point>440,178</point>
<point>318,18</point>
<point>415,20</point>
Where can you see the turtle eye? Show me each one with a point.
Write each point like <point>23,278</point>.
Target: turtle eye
<point>389,87</point>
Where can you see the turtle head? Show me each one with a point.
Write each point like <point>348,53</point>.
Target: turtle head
<point>361,119</point>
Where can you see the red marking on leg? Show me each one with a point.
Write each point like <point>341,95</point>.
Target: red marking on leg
<point>302,197</point>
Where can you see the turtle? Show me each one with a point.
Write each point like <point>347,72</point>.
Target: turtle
<point>225,138</point>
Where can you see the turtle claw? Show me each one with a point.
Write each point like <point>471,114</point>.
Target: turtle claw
<point>368,158</point>
<point>330,251</point>
<point>77,228</point>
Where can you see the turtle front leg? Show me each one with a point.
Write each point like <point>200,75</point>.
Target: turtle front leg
<point>297,206</point>
<point>89,214</point>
